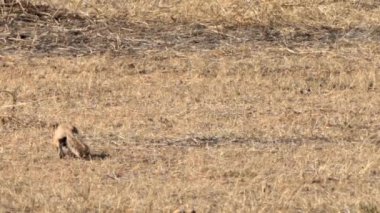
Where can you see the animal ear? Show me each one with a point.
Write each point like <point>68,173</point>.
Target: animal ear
<point>75,130</point>
<point>54,125</point>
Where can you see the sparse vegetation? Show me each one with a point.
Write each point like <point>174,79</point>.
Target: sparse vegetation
<point>216,106</point>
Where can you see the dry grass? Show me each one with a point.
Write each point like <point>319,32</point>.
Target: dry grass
<point>216,106</point>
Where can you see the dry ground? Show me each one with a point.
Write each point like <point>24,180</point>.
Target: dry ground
<point>216,106</point>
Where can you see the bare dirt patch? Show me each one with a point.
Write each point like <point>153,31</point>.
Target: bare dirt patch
<point>45,30</point>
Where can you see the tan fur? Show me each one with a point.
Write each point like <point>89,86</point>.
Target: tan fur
<point>66,140</point>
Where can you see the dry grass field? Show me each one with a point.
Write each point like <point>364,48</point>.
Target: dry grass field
<point>211,106</point>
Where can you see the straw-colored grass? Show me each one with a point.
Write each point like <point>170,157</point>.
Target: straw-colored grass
<point>212,106</point>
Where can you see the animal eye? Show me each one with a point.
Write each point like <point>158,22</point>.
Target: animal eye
<point>63,141</point>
